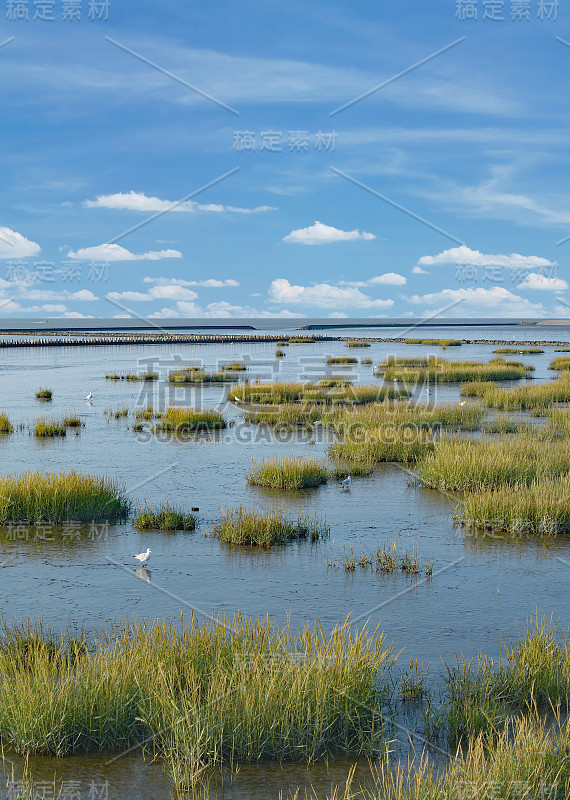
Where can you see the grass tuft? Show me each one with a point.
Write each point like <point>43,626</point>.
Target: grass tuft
<point>185,420</point>
<point>265,527</point>
<point>288,473</point>
<point>44,394</point>
<point>165,517</point>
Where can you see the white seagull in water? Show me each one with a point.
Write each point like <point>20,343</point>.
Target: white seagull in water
<point>144,557</point>
<point>346,483</point>
<point>89,396</point>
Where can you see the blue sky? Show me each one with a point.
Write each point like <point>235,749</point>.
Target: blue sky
<point>443,192</point>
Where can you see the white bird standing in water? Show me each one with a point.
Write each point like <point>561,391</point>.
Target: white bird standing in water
<point>89,396</point>
<point>144,557</point>
<point>346,483</point>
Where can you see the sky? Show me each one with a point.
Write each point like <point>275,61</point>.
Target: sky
<point>395,159</point>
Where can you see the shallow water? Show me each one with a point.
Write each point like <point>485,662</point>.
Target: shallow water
<point>483,587</point>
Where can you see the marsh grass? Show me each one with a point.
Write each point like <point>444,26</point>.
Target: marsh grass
<point>235,366</point>
<point>351,422</point>
<point>266,527</point>
<point>45,428</point>
<point>193,375</point>
<point>288,393</point>
<point>5,424</point>
<point>525,351</point>
<point>386,443</point>
<point>358,343</point>
<point>301,340</point>
<point>286,416</point>
<point>45,497</point>
<point>117,413</point>
<point>459,464</point>
<point>182,420</point>
<point>342,360</point>
<point>436,342</point>
<point>366,361</point>
<point>198,695</point>
<point>390,558</point>
<point>540,507</point>
<point>72,421</point>
<point>439,370</point>
<point>561,363</point>
<point>519,398</point>
<point>279,354</point>
<point>132,376</point>
<point>288,473</point>
<point>165,517</point>
<point>147,413</point>
<point>44,394</point>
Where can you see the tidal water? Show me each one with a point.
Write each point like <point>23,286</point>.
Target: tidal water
<point>482,590</point>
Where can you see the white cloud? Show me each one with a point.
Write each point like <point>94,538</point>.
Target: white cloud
<point>464,255</point>
<point>338,315</point>
<point>388,279</point>
<point>136,201</point>
<point>220,310</point>
<point>114,252</point>
<point>14,245</point>
<point>208,283</point>
<point>159,292</point>
<point>325,234</point>
<point>419,271</point>
<point>535,280</point>
<point>480,302</point>
<point>322,295</point>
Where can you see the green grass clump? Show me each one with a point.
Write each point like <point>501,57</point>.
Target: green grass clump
<point>286,416</point>
<point>342,360</point>
<point>279,354</point>
<point>182,420</point>
<point>525,351</point>
<point>350,422</point>
<point>132,376</point>
<point>117,413</point>
<point>459,464</point>
<point>385,443</point>
<point>164,518</point>
<point>196,695</point>
<point>235,366</point>
<point>44,394</point>
<point>5,424</point>
<point>301,340</point>
<point>48,428</point>
<point>193,375</point>
<point>72,421</point>
<point>282,343</point>
<point>358,343</point>
<point>436,342</point>
<point>288,473</point>
<point>366,361</point>
<point>147,413</point>
<point>265,527</point>
<point>541,506</point>
<point>505,424</point>
<point>438,370</point>
<point>529,397</point>
<point>562,350</point>
<point>289,393</point>
<point>47,497</point>
<point>561,363</point>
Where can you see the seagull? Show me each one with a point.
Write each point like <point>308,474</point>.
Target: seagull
<point>89,396</point>
<point>144,557</point>
<point>346,483</point>
<point>462,404</point>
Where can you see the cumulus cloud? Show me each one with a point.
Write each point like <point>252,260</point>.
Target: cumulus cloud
<point>387,279</point>
<point>158,292</point>
<point>208,283</point>
<point>419,271</point>
<point>325,234</point>
<point>480,302</point>
<point>137,201</point>
<point>535,280</point>
<point>114,252</point>
<point>464,255</point>
<point>323,295</point>
<point>14,245</point>
<point>220,310</point>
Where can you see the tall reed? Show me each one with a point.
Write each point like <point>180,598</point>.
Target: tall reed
<point>265,527</point>
<point>288,473</point>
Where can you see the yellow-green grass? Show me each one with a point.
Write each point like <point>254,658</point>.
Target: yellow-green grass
<point>438,370</point>
<point>165,517</point>
<point>286,416</point>
<point>279,354</point>
<point>350,422</point>
<point>44,393</point>
<point>366,361</point>
<point>288,473</point>
<point>72,421</point>
<point>182,420</point>
<point>525,351</point>
<point>5,424</point>
<point>541,506</point>
<point>481,694</point>
<point>436,342</point>
<point>459,464</point>
<point>282,343</point>
<point>193,375</point>
<point>288,393</point>
<point>561,363</point>
<point>342,360</point>
<point>118,413</point>
<point>196,695</point>
<point>132,376</point>
<point>47,497</point>
<point>403,443</point>
<point>504,423</point>
<point>358,343</point>
<point>265,527</point>
<point>235,366</point>
<point>48,428</point>
<point>301,340</point>
<point>147,413</point>
<point>388,558</point>
<point>519,398</point>
<point>334,380</point>
<point>562,350</point>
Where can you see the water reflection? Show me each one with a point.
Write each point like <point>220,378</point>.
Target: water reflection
<point>144,574</point>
